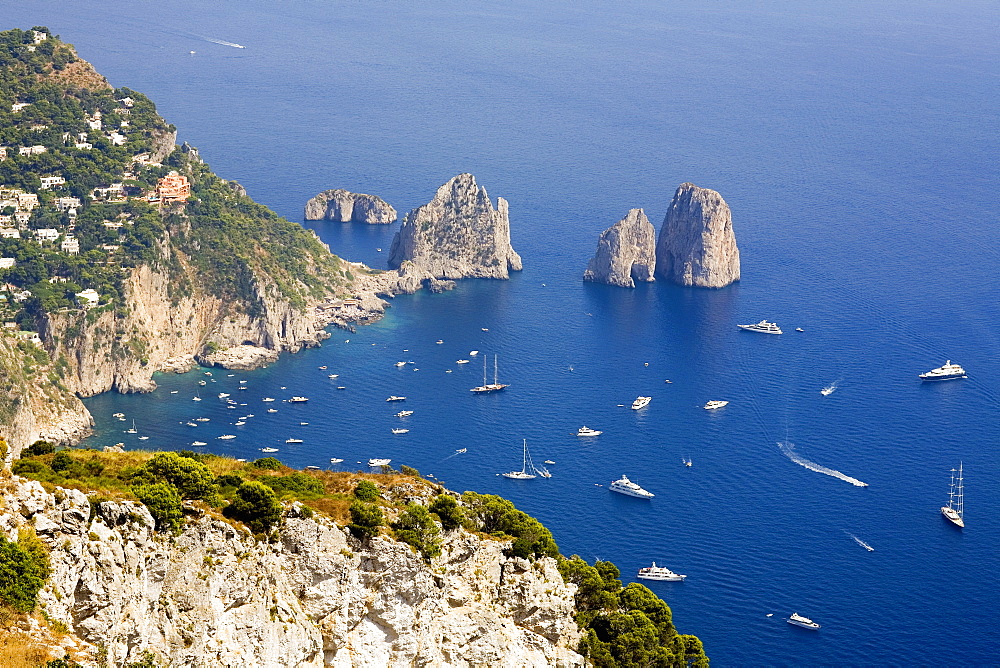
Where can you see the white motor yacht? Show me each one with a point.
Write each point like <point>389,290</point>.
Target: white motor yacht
<point>226,437</point>
<point>400,431</point>
<point>395,398</point>
<point>298,400</point>
<point>629,488</point>
<point>804,622</point>
<point>379,462</point>
<point>587,431</point>
<point>269,449</point>
<point>404,413</point>
<point>660,573</point>
<point>715,404</point>
<point>764,327</point>
<point>641,402</point>
<point>947,372</point>
<point>293,440</point>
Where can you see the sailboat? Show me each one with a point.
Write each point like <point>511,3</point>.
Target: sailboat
<point>133,430</point>
<point>955,510</point>
<point>523,473</point>
<point>489,387</point>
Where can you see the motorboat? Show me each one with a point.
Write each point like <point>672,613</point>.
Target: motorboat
<point>202,383</point>
<point>828,390</point>
<point>293,440</point>
<point>313,468</point>
<point>660,573</point>
<point>335,460</point>
<point>198,443</point>
<point>715,404</point>
<point>954,512</point>
<point>486,388</point>
<point>587,431</point>
<point>439,341</point>
<point>473,353</point>
<point>144,438</point>
<point>625,486</point>
<point>379,462</point>
<point>404,413</point>
<point>549,462</point>
<point>239,423</point>
<point>400,363</point>
<point>223,395</point>
<point>267,399</point>
<point>947,372</point>
<point>272,410</point>
<point>322,368</point>
<point>203,419</point>
<point>798,620</point>
<point>334,375</point>
<point>764,327</point>
<point>400,431</point>
<point>641,402</point>
<point>298,400</point>
<point>269,449</point>
<point>461,361</point>
<point>395,398</point>
<point>226,437</point>
<point>192,424</point>
<point>461,451</point>
<point>799,329</point>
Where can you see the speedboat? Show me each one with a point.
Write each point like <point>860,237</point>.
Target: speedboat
<point>240,423</point>
<point>715,404</point>
<point>202,419</point>
<point>268,399</point>
<point>293,440</point>
<point>587,431</point>
<point>629,488</point>
<point>400,431</point>
<point>379,462</point>
<point>641,402</point>
<point>400,363</point>
<point>404,413</point>
<point>439,341</point>
<point>798,620</point>
<point>549,461</point>
<point>223,395</point>
<point>313,468</point>
<point>298,400</point>
<point>269,449</point>
<point>462,451</point>
<point>226,437</point>
<point>144,438</point>
<point>395,398</point>
<point>764,327</point>
<point>198,443</point>
<point>272,410</point>
<point>192,424</point>
<point>335,460</point>
<point>473,353</point>
<point>660,573</point>
<point>947,372</point>
<point>334,375</point>
<point>461,361</point>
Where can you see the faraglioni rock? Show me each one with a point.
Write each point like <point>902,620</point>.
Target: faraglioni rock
<point>626,252</point>
<point>458,234</point>
<point>346,207</point>
<point>696,245</point>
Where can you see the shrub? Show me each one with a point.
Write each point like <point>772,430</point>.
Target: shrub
<point>61,461</point>
<point>229,480</point>
<point>30,468</point>
<point>256,505</point>
<point>498,516</point>
<point>23,569</point>
<point>409,470</point>
<point>366,491</point>
<point>416,527</point>
<point>192,479</point>
<point>164,504</point>
<point>38,448</point>
<point>299,483</point>
<point>366,518</point>
<point>267,463</point>
<point>448,511</point>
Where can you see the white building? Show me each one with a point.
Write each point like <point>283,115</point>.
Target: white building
<point>27,201</point>
<point>38,36</point>
<point>116,138</point>
<point>51,181</point>
<point>7,262</point>
<point>9,233</point>
<point>29,336</point>
<point>31,150</point>
<point>70,245</point>
<point>85,145</point>
<point>18,106</point>
<point>22,218</point>
<point>127,102</point>
<point>88,298</point>
<point>46,234</point>
<point>65,203</point>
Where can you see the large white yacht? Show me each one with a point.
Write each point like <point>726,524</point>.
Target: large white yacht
<point>641,402</point>
<point>629,488</point>
<point>379,462</point>
<point>715,404</point>
<point>587,431</point>
<point>947,372</point>
<point>660,573</point>
<point>804,622</point>
<point>764,327</point>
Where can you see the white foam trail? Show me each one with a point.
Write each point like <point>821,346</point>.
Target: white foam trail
<point>789,451</point>
<point>224,43</point>
<point>860,542</point>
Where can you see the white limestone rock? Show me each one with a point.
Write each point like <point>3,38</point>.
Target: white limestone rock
<point>626,252</point>
<point>458,234</point>
<point>347,207</point>
<point>697,245</point>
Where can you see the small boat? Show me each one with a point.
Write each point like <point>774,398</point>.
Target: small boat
<point>341,387</point>
<point>226,437</point>
<point>395,398</point>
<point>828,390</point>
<point>298,400</point>
<point>799,329</point>
<point>641,402</point>
<point>335,460</point>
<point>312,468</point>
<point>473,353</point>
<point>587,431</point>
<point>523,473</point>
<point>144,438</point>
<point>484,329</point>
<point>198,443</point>
<point>954,512</point>
<point>173,391</point>
<point>400,431</point>
<point>267,399</point>
<point>133,430</point>
<point>715,404</point>
<point>118,415</point>
<point>208,373</point>
<point>269,449</point>
<point>400,363</point>
<point>668,381</point>
<point>798,620</point>
<point>462,451</point>
<point>192,424</point>
<point>763,327</point>
<point>324,367</point>
<point>334,375</point>
<point>461,361</point>
<point>202,419</point>
<point>947,372</point>
<point>439,342</point>
<point>239,423</point>
<point>379,462</point>
<point>242,387</point>
<point>201,382</point>
<point>303,423</point>
<point>404,413</point>
<point>195,398</point>
<point>272,410</point>
<point>486,388</point>
<point>660,573</point>
<point>249,415</point>
<point>293,440</point>
<point>549,462</point>
<point>625,486</point>
<point>223,395</point>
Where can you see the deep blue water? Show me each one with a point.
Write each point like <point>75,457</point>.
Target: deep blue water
<point>856,146</point>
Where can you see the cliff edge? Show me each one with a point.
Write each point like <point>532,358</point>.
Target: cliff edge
<point>458,234</point>
<point>626,252</point>
<point>346,207</point>
<point>697,246</point>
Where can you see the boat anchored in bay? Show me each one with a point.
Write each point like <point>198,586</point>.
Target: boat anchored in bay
<point>764,327</point>
<point>587,431</point>
<point>798,620</point>
<point>625,486</point>
<point>659,573</point>
<point>954,512</point>
<point>486,388</point>
<point>528,470</point>
<point>947,372</point>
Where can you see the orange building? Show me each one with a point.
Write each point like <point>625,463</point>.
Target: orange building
<point>173,188</point>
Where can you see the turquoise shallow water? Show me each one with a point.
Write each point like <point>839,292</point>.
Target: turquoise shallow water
<point>856,147</point>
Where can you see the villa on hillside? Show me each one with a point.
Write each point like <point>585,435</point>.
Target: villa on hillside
<point>88,298</point>
<point>173,187</point>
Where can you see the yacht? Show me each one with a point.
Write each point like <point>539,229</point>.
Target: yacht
<point>661,573</point>
<point>715,404</point>
<point>641,402</point>
<point>267,399</point>
<point>293,440</point>
<point>587,431</point>
<point>947,372</point>
<point>404,413</point>
<point>473,353</point>
<point>192,424</point>
<point>400,363</point>
<point>334,375</point>
<point>239,423</point>
<point>226,437</point>
<point>223,395</point>
<point>764,327</point>
<point>400,431</point>
<point>335,460</point>
<point>144,438</point>
<point>804,622</point>
<point>629,488</point>
<point>523,474</point>
<point>462,451</point>
<point>272,410</point>
<point>954,512</point>
<point>198,443</point>
<point>549,462</point>
<point>203,419</point>
<point>461,361</point>
<point>269,449</point>
<point>395,398</point>
<point>486,388</point>
<point>133,430</point>
<point>379,462</point>
<point>439,341</point>
<point>298,400</point>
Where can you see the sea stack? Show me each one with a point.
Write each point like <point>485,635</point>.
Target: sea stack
<point>696,245</point>
<point>626,252</point>
<point>346,207</point>
<point>458,234</point>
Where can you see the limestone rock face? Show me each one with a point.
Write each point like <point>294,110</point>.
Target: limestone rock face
<point>216,597</point>
<point>696,244</point>
<point>626,252</point>
<point>347,207</point>
<point>458,234</point>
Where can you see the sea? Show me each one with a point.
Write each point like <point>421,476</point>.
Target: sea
<point>856,144</point>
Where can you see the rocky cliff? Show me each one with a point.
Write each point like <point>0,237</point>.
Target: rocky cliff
<point>626,252</point>
<point>697,245</point>
<point>347,207</point>
<point>458,234</point>
<point>215,596</point>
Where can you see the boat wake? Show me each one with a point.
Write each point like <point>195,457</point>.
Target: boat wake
<point>860,542</point>
<point>223,42</point>
<point>788,449</point>
<point>829,389</point>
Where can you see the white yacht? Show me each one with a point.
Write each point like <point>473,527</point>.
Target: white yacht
<point>764,327</point>
<point>641,402</point>
<point>461,361</point>
<point>660,573</point>
<point>298,400</point>
<point>629,488</point>
<point>379,462</point>
<point>335,460</point>
<point>272,410</point>
<point>395,398</point>
<point>223,395</point>
<point>587,431</point>
<point>400,431</point>
<point>486,388</point>
<point>226,437</point>
<point>947,372</point>
<point>404,413</point>
<point>954,512</point>
<point>473,353</point>
<point>804,622</point>
<point>523,474</point>
<point>198,443</point>
<point>269,449</point>
<point>715,404</point>
<point>203,419</point>
<point>400,363</point>
<point>267,399</point>
<point>293,440</point>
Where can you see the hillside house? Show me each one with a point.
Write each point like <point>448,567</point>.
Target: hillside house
<point>22,218</point>
<point>38,36</point>
<point>67,203</point>
<point>52,181</point>
<point>127,102</point>
<point>46,234</point>
<point>83,145</point>
<point>27,201</point>
<point>18,106</point>
<point>116,138</point>
<point>173,187</point>
<point>88,298</point>
<point>7,262</point>
<point>6,220</point>
<point>70,245</point>
<point>3,153</point>
<point>31,337</point>
<point>9,233</point>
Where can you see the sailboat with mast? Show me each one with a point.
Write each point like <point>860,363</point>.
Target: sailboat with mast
<point>954,512</point>
<point>486,388</point>
<point>528,470</point>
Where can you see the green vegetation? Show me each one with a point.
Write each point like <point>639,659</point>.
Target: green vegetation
<point>256,505</point>
<point>448,512</point>
<point>163,502</point>
<point>417,528</point>
<point>628,626</point>
<point>366,518</point>
<point>38,448</point>
<point>366,491</point>
<point>24,566</point>
<point>497,516</point>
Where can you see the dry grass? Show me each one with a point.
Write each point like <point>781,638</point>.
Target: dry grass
<point>18,650</point>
